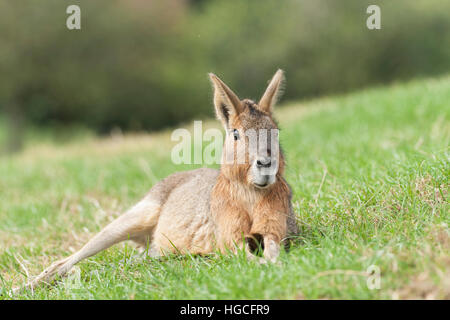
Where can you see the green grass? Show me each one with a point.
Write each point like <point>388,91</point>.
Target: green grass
<point>369,172</point>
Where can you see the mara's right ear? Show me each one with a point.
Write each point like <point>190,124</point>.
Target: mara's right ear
<point>226,102</point>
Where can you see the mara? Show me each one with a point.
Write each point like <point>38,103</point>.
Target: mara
<point>204,210</point>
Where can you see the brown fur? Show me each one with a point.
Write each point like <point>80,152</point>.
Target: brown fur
<point>202,210</point>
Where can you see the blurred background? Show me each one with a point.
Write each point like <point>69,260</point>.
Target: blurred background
<point>142,64</point>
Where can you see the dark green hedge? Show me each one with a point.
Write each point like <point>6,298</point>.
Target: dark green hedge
<point>139,64</point>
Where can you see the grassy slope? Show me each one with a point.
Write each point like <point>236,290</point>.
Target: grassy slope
<point>369,173</point>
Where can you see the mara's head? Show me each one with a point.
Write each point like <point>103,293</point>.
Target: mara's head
<point>251,152</point>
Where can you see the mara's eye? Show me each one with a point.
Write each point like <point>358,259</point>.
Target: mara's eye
<point>236,134</point>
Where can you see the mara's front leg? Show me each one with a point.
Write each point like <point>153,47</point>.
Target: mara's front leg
<point>271,248</point>
<point>233,229</point>
<point>270,221</point>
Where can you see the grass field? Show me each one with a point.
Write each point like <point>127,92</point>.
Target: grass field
<point>369,172</point>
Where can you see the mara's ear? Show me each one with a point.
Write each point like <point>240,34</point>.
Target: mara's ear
<point>273,92</point>
<point>226,102</point>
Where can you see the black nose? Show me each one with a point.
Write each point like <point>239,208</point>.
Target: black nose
<point>264,162</point>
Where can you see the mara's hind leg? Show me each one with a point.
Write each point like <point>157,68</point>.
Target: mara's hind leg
<point>136,223</point>
<point>143,242</point>
<point>145,248</point>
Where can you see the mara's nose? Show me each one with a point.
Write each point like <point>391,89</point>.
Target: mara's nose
<point>263,162</point>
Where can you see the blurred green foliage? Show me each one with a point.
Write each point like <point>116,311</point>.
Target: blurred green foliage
<point>139,64</point>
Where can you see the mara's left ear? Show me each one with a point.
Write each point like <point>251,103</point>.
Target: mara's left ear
<point>226,102</point>
<point>273,92</point>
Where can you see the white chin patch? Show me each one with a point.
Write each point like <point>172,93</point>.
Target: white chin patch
<point>262,181</point>
<point>263,177</point>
